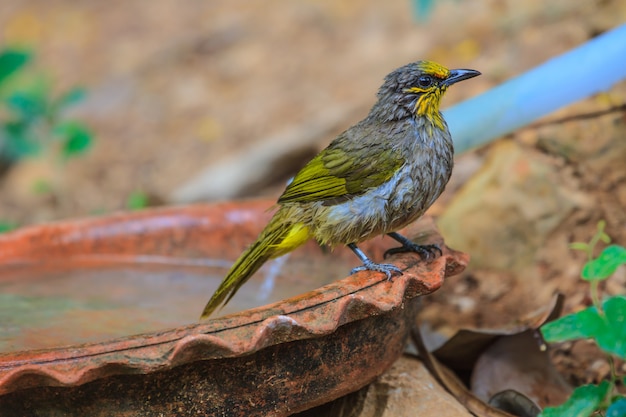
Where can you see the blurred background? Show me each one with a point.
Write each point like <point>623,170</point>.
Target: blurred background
<point>171,89</point>
<point>122,105</point>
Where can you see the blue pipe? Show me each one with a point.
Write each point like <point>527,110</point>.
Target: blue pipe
<point>591,68</point>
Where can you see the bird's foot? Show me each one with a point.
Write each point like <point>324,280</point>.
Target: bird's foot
<point>426,252</point>
<point>387,269</point>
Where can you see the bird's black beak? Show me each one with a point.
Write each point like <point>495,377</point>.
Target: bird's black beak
<point>457,75</point>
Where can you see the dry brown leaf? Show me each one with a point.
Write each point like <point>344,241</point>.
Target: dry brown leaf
<point>519,362</point>
<point>463,349</point>
<point>466,348</point>
<point>451,383</point>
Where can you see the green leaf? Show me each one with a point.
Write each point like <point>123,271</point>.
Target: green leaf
<point>605,264</point>
<point>584,400</point>
<point>71,97</point>
<point>564,328</point>
<point>423,8</point>
<point>613,338</point>
<point>605,238</point>
<point>27,105</point>
<point>76,138</point>
<point>7,226</point>
<point>42,187</point>
<point>579,246</point>
<point>608,329</point>
<point>137,201</point>
<point>617,409</point>
<point>11,61</point>
<point>18,140</point>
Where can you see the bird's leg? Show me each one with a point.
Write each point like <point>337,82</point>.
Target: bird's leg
<point>369,265</point>
<point>426,252</point>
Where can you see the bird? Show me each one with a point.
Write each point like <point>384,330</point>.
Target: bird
<point>373,179</point>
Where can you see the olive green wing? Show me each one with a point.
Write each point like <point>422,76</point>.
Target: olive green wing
<point>339,173</point>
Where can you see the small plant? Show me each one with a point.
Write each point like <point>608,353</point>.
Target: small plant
<point>32,120</point>
<point>7,226</point>
<point>605,323</point>
<point>422,8</point>
<point>137,200</point>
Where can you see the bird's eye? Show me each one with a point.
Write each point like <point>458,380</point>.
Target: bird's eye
<point>425,81</point>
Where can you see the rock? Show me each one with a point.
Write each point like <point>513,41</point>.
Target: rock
<point>504,213</point>
<point>407,389</point>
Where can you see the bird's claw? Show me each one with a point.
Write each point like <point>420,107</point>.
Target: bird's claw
<point>387,269</point>
<point>426,252</point>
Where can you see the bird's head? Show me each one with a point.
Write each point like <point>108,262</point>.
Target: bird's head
<point>416,89</point>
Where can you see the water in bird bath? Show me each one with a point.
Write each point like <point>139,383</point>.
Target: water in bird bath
<point>45,307</point>
<point>88,281</point>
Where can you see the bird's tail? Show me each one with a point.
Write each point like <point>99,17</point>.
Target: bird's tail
<point>278,238</point>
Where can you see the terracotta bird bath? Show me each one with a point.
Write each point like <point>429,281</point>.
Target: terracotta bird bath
<point>98,317</point>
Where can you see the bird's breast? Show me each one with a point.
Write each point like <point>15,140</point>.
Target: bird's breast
<point>394,204</point>
<point>380,210</point>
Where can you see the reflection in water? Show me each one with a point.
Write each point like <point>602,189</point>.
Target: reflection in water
<point>273,270</point>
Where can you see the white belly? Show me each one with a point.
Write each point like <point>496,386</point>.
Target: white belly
<point>381,210</point>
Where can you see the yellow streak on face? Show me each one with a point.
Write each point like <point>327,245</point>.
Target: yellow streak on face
<point>427,104</point>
